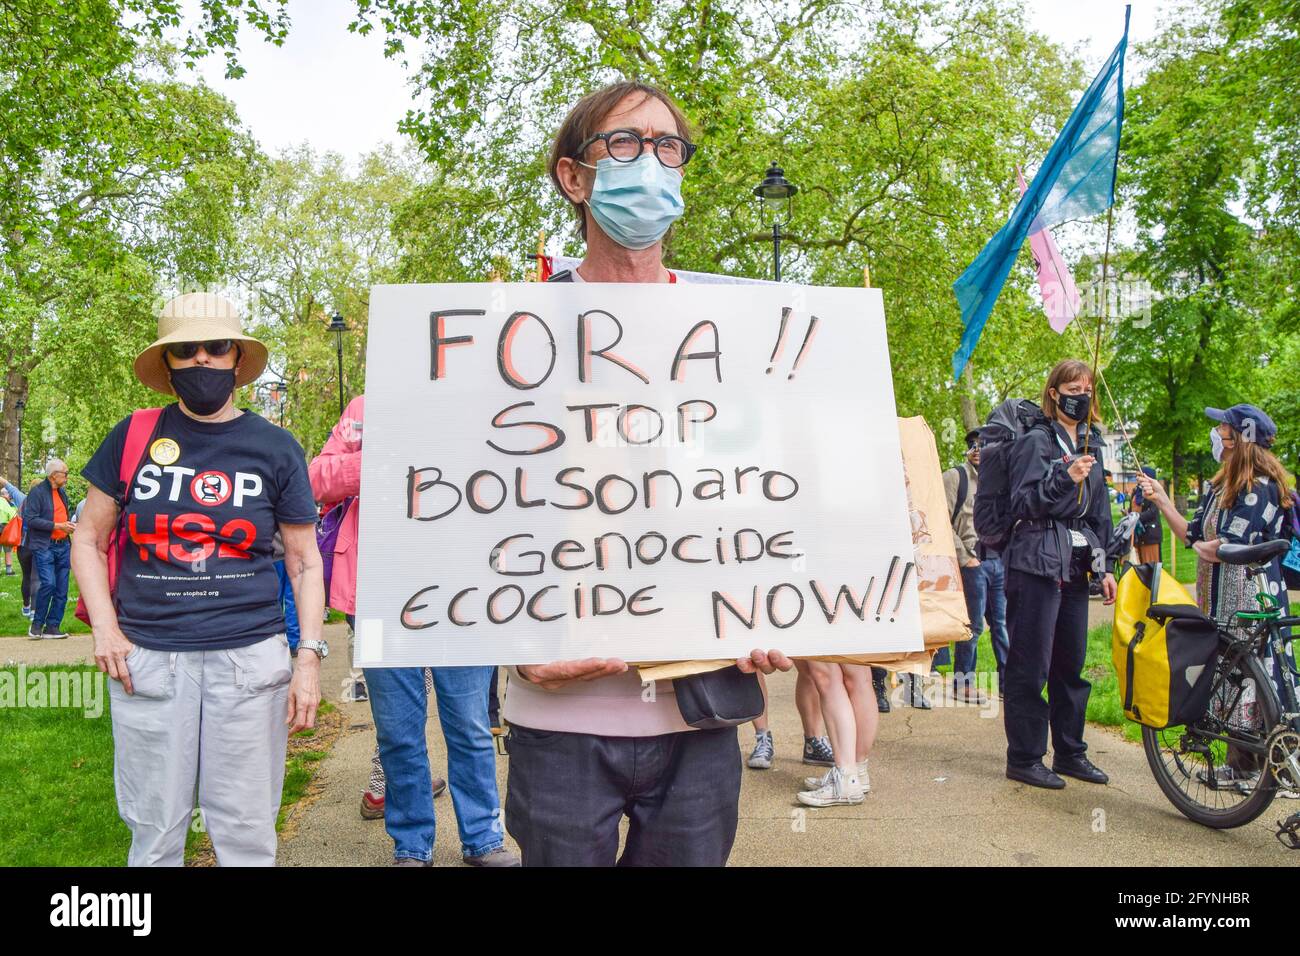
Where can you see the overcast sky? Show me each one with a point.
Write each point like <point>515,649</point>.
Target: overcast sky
<point>336,90</point>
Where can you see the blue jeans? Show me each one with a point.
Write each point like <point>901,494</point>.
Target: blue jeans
<point>963,670</point>
<point>291,628</point>
<point>995,608</point>
<point>52,566</point>
<point>400,708</point>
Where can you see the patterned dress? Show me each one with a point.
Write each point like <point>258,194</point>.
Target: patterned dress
<point>1257,515</point>
<point>1224,589</point>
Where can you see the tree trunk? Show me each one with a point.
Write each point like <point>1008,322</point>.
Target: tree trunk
<point>970,415</point>
<point>1177,491</point>
<point>15,390</point>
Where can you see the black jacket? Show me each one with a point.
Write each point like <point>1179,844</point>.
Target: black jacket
<point>38,515</point>
<point>1045,503</point>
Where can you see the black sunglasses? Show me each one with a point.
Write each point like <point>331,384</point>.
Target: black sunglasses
<point>187,350</point>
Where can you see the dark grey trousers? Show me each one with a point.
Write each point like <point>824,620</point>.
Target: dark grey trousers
<point>567,793</point>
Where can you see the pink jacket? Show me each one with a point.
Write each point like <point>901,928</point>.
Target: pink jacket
<point>335,474</point>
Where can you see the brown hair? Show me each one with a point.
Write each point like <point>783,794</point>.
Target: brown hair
<point>1065,372</point>
<point>1246,462</point>
<point>583,122</point>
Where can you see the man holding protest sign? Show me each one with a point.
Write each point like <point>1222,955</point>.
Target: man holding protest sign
<point>586,745</point>
<point>573,476</point>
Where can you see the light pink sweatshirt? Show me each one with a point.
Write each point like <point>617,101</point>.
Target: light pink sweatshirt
<point>336,474</point>
<point>609,707</point>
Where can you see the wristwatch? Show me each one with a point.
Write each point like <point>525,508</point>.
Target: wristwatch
<point>320,647</point>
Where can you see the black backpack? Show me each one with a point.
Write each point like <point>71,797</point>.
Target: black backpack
<point>1005,426</point>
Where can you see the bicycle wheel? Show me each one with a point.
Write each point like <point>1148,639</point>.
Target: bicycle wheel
<point>1209,781</point>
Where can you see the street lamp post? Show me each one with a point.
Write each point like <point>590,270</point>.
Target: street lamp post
<point>776,201</point>
<point>280,394</point>
<point>338,328</point>
<point>19,406</point>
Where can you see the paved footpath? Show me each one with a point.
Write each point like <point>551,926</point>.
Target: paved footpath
<point>938,797</point>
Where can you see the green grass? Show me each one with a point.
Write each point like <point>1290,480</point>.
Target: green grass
<point>12,622</point>
<point>58,806</point>
<point>1105,705</point>
<point>300,768</point>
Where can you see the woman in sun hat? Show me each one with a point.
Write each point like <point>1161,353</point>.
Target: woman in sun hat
<point>203,691</point>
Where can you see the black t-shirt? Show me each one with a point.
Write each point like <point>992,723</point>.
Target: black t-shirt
<point>197,572</point>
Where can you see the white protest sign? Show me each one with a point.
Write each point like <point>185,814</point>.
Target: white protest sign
<point>648,472</point>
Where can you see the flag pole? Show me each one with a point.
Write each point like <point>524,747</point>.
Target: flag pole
<point>1101,321</point>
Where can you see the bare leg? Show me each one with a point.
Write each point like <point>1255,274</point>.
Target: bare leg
<point>807,702</point>
<point>857,681</point>
<point>841,724</point>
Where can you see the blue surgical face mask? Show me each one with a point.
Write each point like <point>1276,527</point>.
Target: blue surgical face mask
<point>1216,444</point>
<point>635,203</point>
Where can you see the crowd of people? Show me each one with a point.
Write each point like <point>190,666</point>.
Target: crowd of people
<point>198,560</point>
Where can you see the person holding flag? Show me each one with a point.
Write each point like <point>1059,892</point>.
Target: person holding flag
<point>1062,525</point>
<point>1058,496</point>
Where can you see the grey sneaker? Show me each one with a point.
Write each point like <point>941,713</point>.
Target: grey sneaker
<point>817,750</point>
<point>34,633</point>
<point>840,789</point>
<point>54,636</point>
<point>814,783</point>
<point>761,758</point>
<point>498,857</point>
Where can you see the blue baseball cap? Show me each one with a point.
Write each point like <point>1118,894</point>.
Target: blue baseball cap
<point>1248,420</point>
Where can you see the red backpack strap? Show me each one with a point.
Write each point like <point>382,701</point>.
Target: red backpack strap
<point>143,423</point>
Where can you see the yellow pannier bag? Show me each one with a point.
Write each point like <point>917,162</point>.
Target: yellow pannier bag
<point>1164,662</point>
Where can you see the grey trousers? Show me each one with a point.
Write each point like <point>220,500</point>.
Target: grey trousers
<point>211,719</point>
<point>566,794</point>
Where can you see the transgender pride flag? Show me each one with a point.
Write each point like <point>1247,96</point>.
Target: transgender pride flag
<point>1076,179</point>
<point>1060,297</point>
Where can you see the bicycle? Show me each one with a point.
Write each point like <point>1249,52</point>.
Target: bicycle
<point>1224,768</point>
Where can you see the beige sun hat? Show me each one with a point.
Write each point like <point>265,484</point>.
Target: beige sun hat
<point>198,317</point>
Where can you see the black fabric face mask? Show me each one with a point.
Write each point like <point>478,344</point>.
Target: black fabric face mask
<point>1075,406</point>
<point>203,390</point>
